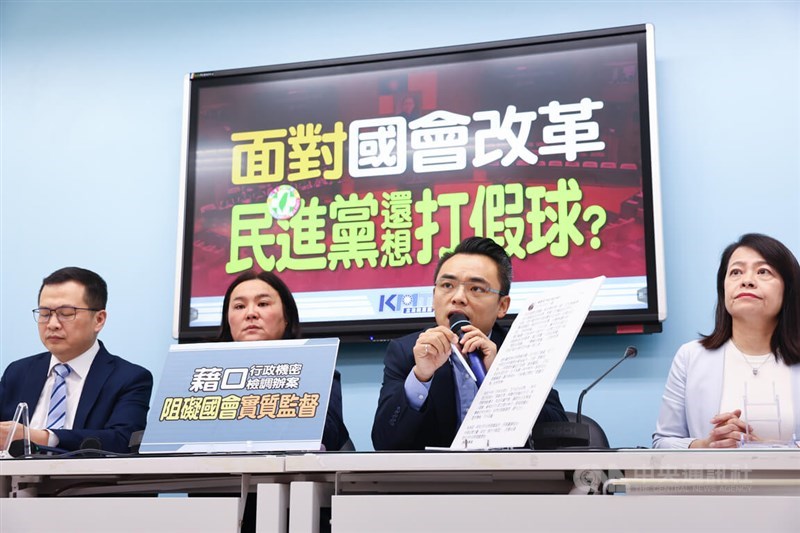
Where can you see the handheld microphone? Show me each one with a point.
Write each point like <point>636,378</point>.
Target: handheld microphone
<point>457,321</point>
<point>630,351</point>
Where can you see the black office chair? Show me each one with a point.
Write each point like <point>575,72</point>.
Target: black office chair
<point>597,437</point>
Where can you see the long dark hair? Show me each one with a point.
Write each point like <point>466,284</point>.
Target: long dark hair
<point>290,313</point>
<point>785,341</point>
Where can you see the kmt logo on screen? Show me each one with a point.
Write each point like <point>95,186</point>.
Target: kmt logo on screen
<point>407,304</point>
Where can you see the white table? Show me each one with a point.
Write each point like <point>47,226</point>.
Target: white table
<point>752,490</point>
<point>680,490</point>
<point>94,494</point>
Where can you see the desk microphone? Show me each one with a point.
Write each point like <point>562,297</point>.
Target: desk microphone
<point>17,449</point>
<point>457,321</point>
<point>551,435</point>
<point>91,443</point>
<point>630,351</point>
<point>90,447</point>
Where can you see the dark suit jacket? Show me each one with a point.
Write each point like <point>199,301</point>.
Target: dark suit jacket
<point>113,403</point>
<point>335,434</point>
<point>398,426</point>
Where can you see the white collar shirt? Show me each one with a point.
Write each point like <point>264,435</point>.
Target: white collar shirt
<point>75,380</point>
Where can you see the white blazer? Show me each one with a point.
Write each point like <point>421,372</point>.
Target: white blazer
<point>693,395</point>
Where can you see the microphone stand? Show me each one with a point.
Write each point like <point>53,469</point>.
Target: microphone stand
<point>552,435</point>
<point>630,351</point>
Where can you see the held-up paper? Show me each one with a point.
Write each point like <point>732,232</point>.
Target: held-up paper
<point>516,386</point>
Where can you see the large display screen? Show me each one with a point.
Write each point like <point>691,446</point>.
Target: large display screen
<point>350,177</point>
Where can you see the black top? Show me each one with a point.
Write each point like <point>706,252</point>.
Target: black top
<point>335,434</point>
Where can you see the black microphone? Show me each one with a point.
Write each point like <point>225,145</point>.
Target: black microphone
<point>91,443</point>
<point>17,449</point>
<point>630,351</point>
<point>91,447</point>
<point>551,435</point>
<point>457,321</point>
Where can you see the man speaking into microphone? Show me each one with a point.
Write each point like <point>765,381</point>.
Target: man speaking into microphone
<point>427,388</point>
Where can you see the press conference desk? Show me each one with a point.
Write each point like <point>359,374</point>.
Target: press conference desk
<point>95,494</point>
<point>746,490</point>
<point>546,491</point>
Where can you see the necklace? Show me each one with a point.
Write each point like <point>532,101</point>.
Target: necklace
<point>755,368</point>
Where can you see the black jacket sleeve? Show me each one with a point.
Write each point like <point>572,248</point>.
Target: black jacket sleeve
<point>335,434</point>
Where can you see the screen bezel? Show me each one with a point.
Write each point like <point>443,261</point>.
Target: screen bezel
<point>598,322</point>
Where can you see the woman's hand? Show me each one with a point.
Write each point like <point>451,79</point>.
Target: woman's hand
<point>729,430</point>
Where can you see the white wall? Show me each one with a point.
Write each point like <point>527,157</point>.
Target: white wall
<point>91,97</point>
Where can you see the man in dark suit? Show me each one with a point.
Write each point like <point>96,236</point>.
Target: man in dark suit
<point>426,394</point>
<point>77,389</point>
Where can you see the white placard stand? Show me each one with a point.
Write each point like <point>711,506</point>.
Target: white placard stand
<point>20,417</point>
<point>516,386</point>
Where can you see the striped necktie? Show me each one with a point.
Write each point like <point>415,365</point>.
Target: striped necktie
<point>58,398</point>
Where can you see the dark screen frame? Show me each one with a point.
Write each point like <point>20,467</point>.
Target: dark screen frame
<point>598,322</point>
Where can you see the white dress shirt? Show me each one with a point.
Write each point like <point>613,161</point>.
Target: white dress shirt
<point>74,382</point>
<point>762,388</point>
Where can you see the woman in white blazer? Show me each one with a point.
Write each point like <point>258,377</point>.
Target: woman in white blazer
<point>741,383</point>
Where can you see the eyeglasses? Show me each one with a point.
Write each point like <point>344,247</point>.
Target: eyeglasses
<point>64,313</point>
<point>473,289</point>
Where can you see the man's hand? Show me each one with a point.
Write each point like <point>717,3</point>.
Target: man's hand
<point>39,436</point>
<point>432,350</point>
<point>474,340</point>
